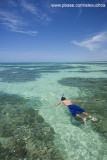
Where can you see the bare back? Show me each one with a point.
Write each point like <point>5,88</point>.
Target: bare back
<point>67,102</point>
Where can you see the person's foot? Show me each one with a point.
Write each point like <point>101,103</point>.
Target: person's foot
<point>85,121</point>
<point>94,119</point>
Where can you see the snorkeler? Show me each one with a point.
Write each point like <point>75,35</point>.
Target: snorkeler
<point>75,110</point>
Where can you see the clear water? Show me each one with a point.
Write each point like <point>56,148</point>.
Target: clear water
<point>28,88</point>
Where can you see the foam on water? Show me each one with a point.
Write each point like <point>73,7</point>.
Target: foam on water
<point>75,140</point>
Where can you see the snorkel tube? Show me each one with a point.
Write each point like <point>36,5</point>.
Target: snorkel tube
<point>62,97</point>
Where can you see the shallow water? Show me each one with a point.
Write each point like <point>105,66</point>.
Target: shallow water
<point>27,93</point>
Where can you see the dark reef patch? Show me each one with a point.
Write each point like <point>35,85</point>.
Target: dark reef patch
<point>23,72</point>
<point>84,82</point>
<point>94,90</point>
<point>23,133</point>
<point>88,71</point>
<point>18,75</point>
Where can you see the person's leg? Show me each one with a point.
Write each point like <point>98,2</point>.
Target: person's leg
<point>85,113</point>
<point>84,119</point>
<point>92,118</point>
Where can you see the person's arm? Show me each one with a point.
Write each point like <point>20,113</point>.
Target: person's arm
<point>58,103</point>
<point>79,101</point>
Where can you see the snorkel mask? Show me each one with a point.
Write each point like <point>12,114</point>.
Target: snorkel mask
<point>62,97</point>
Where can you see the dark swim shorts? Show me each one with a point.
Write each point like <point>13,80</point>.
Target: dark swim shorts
<point>75,109</point>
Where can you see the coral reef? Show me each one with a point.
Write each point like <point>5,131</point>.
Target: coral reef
<point>24,134</point>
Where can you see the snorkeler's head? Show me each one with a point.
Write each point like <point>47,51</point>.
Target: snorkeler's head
<point>63,98</point>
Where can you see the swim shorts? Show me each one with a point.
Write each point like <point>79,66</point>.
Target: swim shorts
<point>75,109</point>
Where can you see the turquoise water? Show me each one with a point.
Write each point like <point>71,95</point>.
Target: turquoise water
<point>30,128</point>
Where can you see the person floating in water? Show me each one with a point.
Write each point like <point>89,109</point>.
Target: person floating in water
<point>75,110</point>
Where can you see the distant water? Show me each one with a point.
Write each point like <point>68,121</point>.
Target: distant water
<point>30,128</point>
